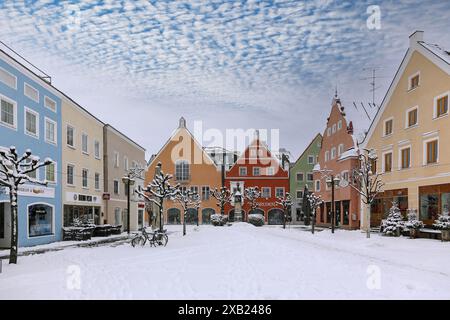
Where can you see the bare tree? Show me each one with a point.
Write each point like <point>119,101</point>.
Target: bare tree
<point>15,171</point>
<point>188,200</point>
<point>223,196</point>
<point>159,190</point>
<point>367,183</point>
<point>252,194</point>
<point>285,202</point>
<point>314,203</point>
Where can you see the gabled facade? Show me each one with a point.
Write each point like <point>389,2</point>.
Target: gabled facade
<point>301,175</point>
<point>338,156</point>
<point>257,167</point>
<point>185,159</point>
<point>31,119</point>
<point>411,134</point>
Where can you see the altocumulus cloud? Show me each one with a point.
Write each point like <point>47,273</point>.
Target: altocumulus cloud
<point>216,60</point>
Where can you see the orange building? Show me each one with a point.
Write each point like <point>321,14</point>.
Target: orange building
<point>257,167</point>
<point>184,158</point>
<point>338,157</point>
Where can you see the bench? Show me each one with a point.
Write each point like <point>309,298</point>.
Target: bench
<point>429,233</point>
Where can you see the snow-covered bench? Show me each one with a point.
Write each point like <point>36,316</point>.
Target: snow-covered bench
<point>429,233</point>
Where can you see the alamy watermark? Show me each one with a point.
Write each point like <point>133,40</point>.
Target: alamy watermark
<point>374,277</point>
<point>373,22</point>
<point>73,277</point>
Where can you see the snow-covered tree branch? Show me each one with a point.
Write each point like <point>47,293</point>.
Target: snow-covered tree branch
<point>315,202</point>
<point>223,196</point>
<point>15,171</point>
<point>252,194</point>
<point>187,200</point>
<point>285,202</point>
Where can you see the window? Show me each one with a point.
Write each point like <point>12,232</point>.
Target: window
<point>310,159</point>
<point>333,130</point>
<point>8,113</point>
<point>253,153</point>
<point>194,189</point>
<point>405,157</point>
<point>412,117</point>
<point>182,170</point>
<point>70,174</point>
<point>329,132</point>
<point>388,126</point>
<point>125,187</point>
<point>300,176</point>
<point>33,174</point>
<point>97,149</point>
<point>270,171</point>
<point>50,173</point>
<point>341,149</point>
<point>265,192</point>
<point>40,220</point>
<point>432,152</point>
<point>242,171</point>
<point>205,193</point>
<point>97,181</point>
<point>333,152</point>
<point>70,136</point>
<point>50,104</point>
<point>299,194</point>
<point>7,78</point>
<point>31,92</point>
<point>50,131</point>
<point>279,192</point>
<point>327,155</point>
<point>84,143</point>
<point>116,187</point>
<point>125,163</point>
<point>317,185</point>
<point>339,125</point>
<point>310,176</point>
<point>345,176</point>
<point>183,189</point>
<point>31,123</point>
<point>117,216</point>
<point>84,177</point>
<point>388,162</point>
<point>116,159</point>
<point>256,171</point>
<point>414,81</point>
<point>442,106</point>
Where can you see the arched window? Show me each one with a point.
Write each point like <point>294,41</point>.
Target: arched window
<point>173,216</point>
<point>182,170</point>
<point>40,219</point>
<point>206,215</point>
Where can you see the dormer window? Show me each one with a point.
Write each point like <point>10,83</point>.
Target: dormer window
<point>339,125</point>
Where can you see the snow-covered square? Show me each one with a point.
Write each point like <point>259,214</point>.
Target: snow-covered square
<point>239,262</point>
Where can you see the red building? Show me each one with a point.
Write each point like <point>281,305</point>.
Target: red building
<point>257,167</point>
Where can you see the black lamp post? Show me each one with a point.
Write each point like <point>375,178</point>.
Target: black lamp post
<point>129,182</point>
<point>331,182</point>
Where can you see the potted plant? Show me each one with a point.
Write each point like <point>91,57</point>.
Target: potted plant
<point>443,223</point>
<point>413,225</point>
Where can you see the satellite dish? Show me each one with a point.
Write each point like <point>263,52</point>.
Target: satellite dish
<point>343,183</point>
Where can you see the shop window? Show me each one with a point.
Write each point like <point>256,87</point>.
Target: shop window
<point>40,220</point>
<point>346,211</point>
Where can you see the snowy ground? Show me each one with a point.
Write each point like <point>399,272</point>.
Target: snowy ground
<point>239,262</point>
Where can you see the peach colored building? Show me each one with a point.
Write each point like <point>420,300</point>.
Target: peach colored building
<point>184,158</point>
<point>338,157</point>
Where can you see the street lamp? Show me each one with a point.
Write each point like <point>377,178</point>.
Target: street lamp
<point>332,181</point>
<point>129,182</point>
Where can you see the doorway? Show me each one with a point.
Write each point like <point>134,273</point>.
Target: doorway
<point>5,225</point>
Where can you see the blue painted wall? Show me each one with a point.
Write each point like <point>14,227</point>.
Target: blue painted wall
<point>38,146</point>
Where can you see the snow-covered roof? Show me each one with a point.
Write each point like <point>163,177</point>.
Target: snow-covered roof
<point>437,50</point>
<point>348,154</point>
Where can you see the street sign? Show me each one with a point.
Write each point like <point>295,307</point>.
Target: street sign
<point>106,196</point>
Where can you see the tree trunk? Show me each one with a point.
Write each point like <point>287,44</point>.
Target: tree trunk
<point>368,220</point>
<point>14,226</point>
<point>161,215</point>
<point>284,219</point>
<point>184,223</point>
<point>313,223</point>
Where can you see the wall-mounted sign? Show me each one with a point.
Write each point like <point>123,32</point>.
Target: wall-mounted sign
<point>82,198</point>
<point>106,196</point>
<point>33,191</point>
<point>141,205</point>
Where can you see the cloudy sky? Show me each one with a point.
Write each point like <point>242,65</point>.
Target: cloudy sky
<point>140,65</point>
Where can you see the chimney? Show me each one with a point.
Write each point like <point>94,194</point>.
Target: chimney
<point>182,123</point>
<point>415,37</point>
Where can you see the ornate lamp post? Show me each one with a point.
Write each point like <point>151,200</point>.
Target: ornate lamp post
<point>332,181</point>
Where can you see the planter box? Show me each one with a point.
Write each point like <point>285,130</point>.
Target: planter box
<point>414,233</point>
<point>445,235</point>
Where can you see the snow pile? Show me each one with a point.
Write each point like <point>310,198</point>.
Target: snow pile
<point>256,219</point>
<point>218,219</point>
<point>394,223</point>
<point>443,221</point>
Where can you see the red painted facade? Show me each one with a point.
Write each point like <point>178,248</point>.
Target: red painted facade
<point>258,168</point>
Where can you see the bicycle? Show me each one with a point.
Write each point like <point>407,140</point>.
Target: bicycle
<point>154,238</point>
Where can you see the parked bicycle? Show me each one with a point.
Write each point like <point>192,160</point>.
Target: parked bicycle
<point>155,238</point>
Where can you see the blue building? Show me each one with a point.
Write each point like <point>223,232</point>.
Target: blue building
<point>30,118</point>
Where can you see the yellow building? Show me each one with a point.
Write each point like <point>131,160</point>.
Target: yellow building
<point>411,134</point>
<point>192,167</point>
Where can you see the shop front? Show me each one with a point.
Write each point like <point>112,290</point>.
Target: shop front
<point>383,202</point>
<point>86,208</point>
<point>5,224</point>
<point>433,200</point>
